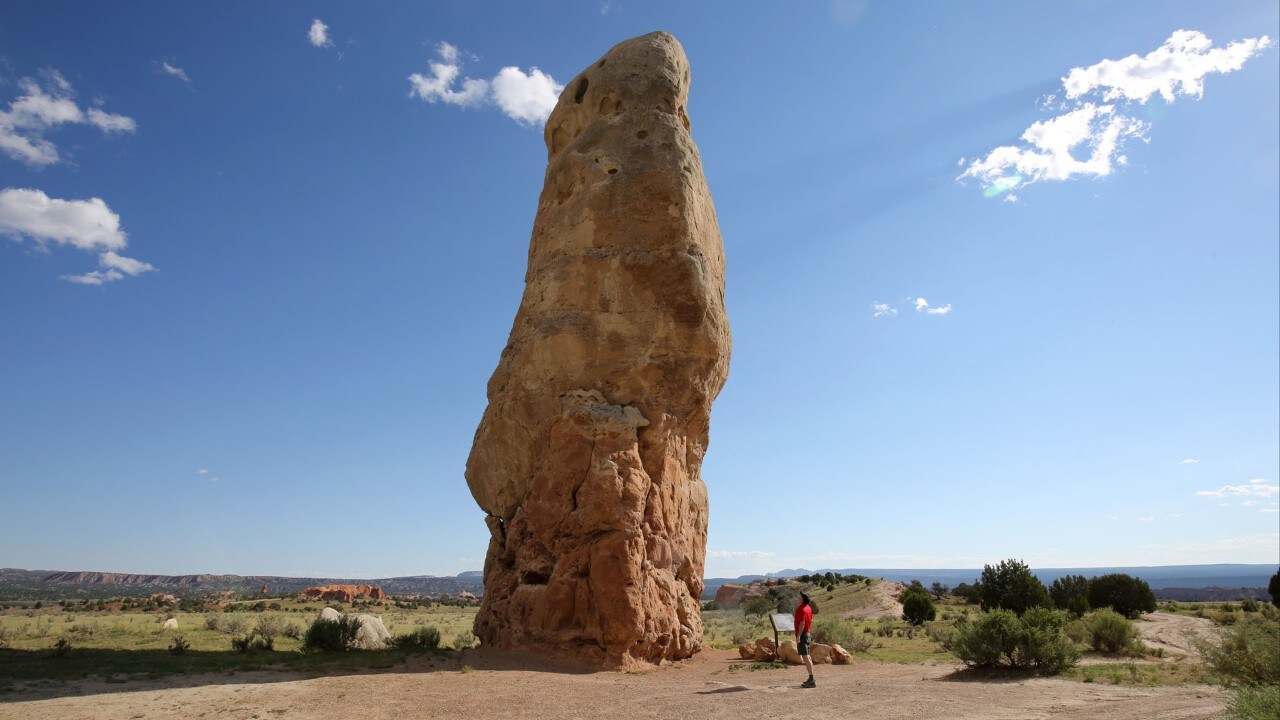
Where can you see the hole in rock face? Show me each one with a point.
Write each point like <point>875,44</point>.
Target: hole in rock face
<point>581,92</point>
<point>613,171</point>
<point>642,134</point>
<point>533,577</point>
<point>601,63</point>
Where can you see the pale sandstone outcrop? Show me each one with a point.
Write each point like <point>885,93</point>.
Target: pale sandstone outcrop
<point>588,457</point>
<point>371,633</point>
<point>839,655</point>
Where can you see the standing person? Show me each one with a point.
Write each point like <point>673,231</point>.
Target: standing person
<point>804,623</point>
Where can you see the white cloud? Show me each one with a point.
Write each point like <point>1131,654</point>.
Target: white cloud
<point>88,225</point>
<point>43,106</point>
<point>1097,128</point>
<point>84,224</point>
<point>1255,488</point>
<point>883,310</point>
<point>1113,517</point>
<point>1269,510</point>
<point>756,554</point>
<point>177,72</point>
<point>319,34</point>
<point>1146,518</point>
<point>922,305</point>
<point>1189,461</point>
<point>527,98</point>
<point>1088,140</point>
<point>524,97</point>
<point>126,265</point>
<point>1175,68</point>
<point>202,471</point>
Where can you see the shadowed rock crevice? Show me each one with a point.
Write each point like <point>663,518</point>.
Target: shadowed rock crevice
<point>588,457</point>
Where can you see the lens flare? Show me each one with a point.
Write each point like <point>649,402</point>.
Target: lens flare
<point>1002,186</point>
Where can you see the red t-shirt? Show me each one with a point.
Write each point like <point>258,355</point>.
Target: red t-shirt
<point>804,618</point>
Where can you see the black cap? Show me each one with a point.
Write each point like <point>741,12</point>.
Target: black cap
<point>804,598</point>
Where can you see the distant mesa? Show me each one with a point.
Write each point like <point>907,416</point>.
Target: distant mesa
<point>342,593</point>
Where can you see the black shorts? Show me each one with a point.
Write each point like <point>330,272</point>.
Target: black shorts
<point>802,647</point>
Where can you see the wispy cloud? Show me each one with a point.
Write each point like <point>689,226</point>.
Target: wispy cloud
<point>883,310</point>
<point>1175,68</point>
<point>174,71</point>
<point>202,471</point>
<point>1254,488</point>
<point>42,106</point>
<point>1146,519</point>
<point>1189,461</point>
<point>88,225</point>
<point>1088,139</point>
<point>318,35</point>
<point>922,305</point>
<point>526,97</point>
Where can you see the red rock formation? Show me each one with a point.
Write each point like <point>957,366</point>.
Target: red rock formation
<point>588,457</point>
<point>343,593</point>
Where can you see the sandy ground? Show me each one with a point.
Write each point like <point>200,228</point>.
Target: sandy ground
<point>1177,635</point>
<point>706,687</point>
<point>885,603</point>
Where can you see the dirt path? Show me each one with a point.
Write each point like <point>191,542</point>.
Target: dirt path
<point>1177,635</point>
<point>885,604</point>
<point>706,687</point>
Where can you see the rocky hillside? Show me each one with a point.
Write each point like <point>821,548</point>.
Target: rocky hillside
<point>19,584</point>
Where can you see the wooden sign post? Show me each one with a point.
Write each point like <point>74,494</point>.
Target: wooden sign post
<point>782,622</point>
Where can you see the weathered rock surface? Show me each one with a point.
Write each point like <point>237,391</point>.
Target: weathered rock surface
<point>345,593</point>
<point>171,623</point>
<point>371,633</point>
<point>329,614</point>
<point>839,655</point>
<point>588,457</point>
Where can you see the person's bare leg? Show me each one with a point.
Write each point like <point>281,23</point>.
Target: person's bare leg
<point>808,664</point>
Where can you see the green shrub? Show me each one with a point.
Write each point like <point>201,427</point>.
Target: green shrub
<point>269,626</point>
<point>834,631</point>
<point>1109,631</point>
<point>1127,595</point>
<point>1011,586</point>
<point>760,606</point>
<point>62,647</point>
<point>917,606</point>
<point>1249,606</point>
<point>465,640</point>
<point>252,643</point>
<point>180,646</point>
<point>330,635</point>
<point>1001,638</point>
<point>1273,589</point>
<point>1259,702</point>
<point>1063,590</point>
<point>1248,653</point>
<point>420,638</point>
<point>213,621</point>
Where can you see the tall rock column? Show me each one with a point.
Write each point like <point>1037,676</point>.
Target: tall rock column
<point>588,457</point>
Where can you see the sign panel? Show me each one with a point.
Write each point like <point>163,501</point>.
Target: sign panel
<point>783,622</point>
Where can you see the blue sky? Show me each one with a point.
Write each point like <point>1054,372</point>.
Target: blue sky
<point>991,296</point>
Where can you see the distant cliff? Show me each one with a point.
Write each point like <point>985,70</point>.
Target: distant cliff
<point>19,584</point>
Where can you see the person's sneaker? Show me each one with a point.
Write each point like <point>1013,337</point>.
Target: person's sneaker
<point>809,684</point>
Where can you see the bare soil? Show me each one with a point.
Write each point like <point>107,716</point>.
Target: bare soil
<point>1178,635</point>
<point>884,603</point>
<point>713,685</point>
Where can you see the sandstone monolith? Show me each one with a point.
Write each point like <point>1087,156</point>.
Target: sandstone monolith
<point>588,457</point>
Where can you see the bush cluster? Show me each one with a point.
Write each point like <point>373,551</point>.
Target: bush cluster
<point>1002,638</point>
<point>420,638</point>
<point>330,635</point>
<point>1109,631</point>
<point>1248,660</point>
<point>917,605</point>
